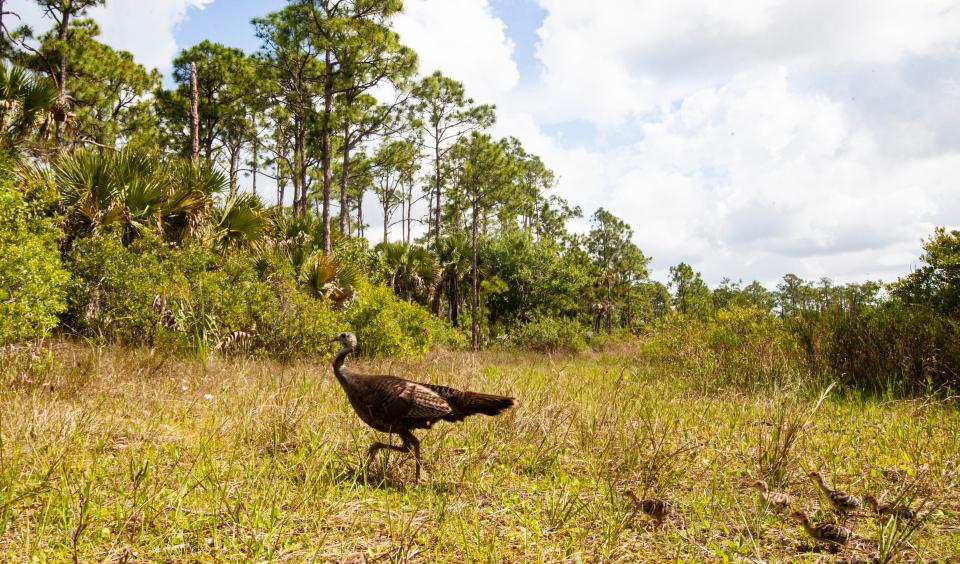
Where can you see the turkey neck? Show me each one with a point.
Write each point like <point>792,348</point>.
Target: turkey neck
<point>338,363</point>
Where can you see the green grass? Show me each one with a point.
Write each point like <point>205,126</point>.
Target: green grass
<point>126,455</point>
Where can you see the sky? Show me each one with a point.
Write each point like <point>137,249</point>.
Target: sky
<point>749,138</point>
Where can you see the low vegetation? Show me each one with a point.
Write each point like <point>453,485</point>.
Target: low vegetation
<point>113,454</point>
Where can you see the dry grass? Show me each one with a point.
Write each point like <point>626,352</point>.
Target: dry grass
<point>124,455</point>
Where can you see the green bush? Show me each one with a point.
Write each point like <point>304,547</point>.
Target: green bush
<point>550,334</point>
<point>115,287</point>
<point>894,349</point>
<point>190,298</point>
<point>151,293</point>
<point>32,280</point>
<point>385,325</point>
<point>738,346</point>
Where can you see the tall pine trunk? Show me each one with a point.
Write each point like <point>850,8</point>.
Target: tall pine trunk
<point>194,116</point>
<point>360,213</point>
<point>455,299</point>
<point>281,184</point>
<point>436,184</point>
<point>234,167</point>
<point>386,226</point>
<point>344,179</point>
<point>325,149</point>
<point>300,172</point>
<point>409,212</point>
<point>256,142</point>
<point>474,335</point>
<point>60,117</point>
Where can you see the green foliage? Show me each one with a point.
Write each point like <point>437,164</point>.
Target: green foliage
<point>935,285</point>
<point>329,277</point>
<point>893,349</point>
<point>549,334</point>
<point>538,280</point>
<point>240,220</point>
<point>386,326</point>
<point>190,299</point>
<point>132,193</point>
<point>32,281</point>
<point>412,272</point>
<point>691,294</point>
<point>740,346</point>
<point>105,88</point>
<point>730,293</point>
<point>25,105</point>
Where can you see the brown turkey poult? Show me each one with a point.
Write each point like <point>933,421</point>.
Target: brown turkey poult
<point>394,405</point>
<point>656,509</point>
<point>826,532</point>
<point>779,501</point>
<point>843,502</point>
<point>903,512</point>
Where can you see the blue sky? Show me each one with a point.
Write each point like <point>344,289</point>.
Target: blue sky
<point>224,21</point>
<point>746,138</point>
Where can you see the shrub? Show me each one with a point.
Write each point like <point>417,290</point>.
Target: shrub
<point>151,293</point>
<point>738,346</point>
<point>385,325</point>
<point>32,280</point>
<point>550,334</point>
<point>894,348</point>
<point>114,288</point>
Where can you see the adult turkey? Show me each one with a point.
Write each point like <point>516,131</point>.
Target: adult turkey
<point>394,405</point>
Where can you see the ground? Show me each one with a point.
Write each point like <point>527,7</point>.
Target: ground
<point>113,454</point>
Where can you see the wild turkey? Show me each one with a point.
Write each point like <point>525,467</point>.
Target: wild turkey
<point>657,509</point>
<point>394,405</point>
<point>826,532</point>
<point>904,512</point>
<point>779,501</point>
<point>843,502</point>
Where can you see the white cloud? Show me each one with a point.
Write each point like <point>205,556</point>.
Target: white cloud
<point>463,39</point>
<point>145,28</point>
<point>750,138</point>
<point>606,60</point>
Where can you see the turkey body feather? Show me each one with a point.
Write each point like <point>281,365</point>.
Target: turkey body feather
<point>395,405</point>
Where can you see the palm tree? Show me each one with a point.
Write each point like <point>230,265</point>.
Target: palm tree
<point>410,270</point>
<point>240,220</point>
<point>453,256</point>
<point>327,277</point>
<point>89,185</point>
<point>25,105</point>
<point>294,238</point>
<point>133,192</point>
<point>190,191</point>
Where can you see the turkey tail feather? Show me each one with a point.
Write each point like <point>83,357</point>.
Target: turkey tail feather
<point>465,404</point>
<point>486,404</point>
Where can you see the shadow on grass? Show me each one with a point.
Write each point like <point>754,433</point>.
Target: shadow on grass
<point>378,477</point>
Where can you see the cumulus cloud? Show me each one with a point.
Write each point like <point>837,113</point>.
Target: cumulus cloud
<point>463,39</point>
<point>607,60</point>
<point>750,138</point>
<point>768,136</point>
<point>145,28</point>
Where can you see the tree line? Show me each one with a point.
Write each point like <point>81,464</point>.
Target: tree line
<point>334,110</point>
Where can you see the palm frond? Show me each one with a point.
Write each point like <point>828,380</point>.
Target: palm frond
<point>240,220</point>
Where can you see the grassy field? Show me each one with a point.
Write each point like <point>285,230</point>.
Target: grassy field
<point>124,455</point>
